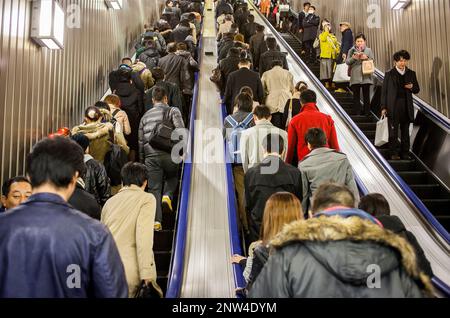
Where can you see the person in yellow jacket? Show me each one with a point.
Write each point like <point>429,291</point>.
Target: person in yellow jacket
<point>329,50</point>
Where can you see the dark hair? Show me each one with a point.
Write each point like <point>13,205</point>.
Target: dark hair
<point>316,138</point>
<point>247,90</point>
<point>311,6</point>
<point>81,140</point>
<point>375,204</point>
<point>360,36</point>
<point>181,46</point>
<point>168,2</point>
<point>271,43</point>
<point>277,63</point>
<point>93,113</point>
<point>55,161</point>
<point>308,96</point>
<point>273,143</point>
<point>402,54</point>
<point>126,59</point>
<point>332,194</point>
<point>260,28</point>
<point>306,4</point>
<point>102,105</point>
<point>245,60</point>
<point>244,102</point>
<point>171,48</point>
<point>262,112</point>
<point>299,85</point>
<point>134,173</point>
<point>159,93</point>
<point>6,187</point>
<point>185,23</point>
<point>251,18</point>
<point>158,74</point>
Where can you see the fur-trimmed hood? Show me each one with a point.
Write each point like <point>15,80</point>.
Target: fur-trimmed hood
<point>94,131</point>
<point>353,230</point>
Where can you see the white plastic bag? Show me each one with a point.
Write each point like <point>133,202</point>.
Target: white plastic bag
<point>382,133</point>
<point>341,74</point>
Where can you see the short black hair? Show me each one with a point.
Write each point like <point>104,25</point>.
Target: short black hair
<point>262,112</point>
<point>271,43</point>
<point>375,204</point>
<point>102,105</point>
<point>360,36</point>
<point>6,187</point>
<point>245,61</point>
<point>127,59</point>
<point>308,96</point>
<point>330,195</point>
<point>260,28</point>
<point>316,138</point>
<point>171,47</point>
<point>244,102</point>
<point>81,140</point>
<point>251,18</point>
<point>158,74</point>
<point>55,161</point>
<point>306,4</point>
<point>311,6</point>
<point>402,54</point>
<point>277,63</point>
<point>134,173</point>
<point>246,89</point>
<point>159,93</point>
<point>273,143</point>
<point>181,46</point>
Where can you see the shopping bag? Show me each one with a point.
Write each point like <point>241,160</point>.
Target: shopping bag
<point>382,133</point>
<point>341,74</point>
<point>368,67</point>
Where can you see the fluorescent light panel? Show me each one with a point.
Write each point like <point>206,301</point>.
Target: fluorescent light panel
<point>48,24</point>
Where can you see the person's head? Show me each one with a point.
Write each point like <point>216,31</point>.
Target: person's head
<point>234,29</point>
<point>181,46</point>
<point>271,43</point>
<point>54,166</point>
<point>171,47</point>
<point>159,95</point>
<point>306,6</point>
<point>273,145</point>
<point>92,115</point>
<point>150,43</point>
<point>315,138</point>
<point>158,74</point>
<point>15,191</point>
<point>345,25</point>
<point>325,24</point>
<point>276,63</point>
<point>244,103</point>
<point>239,38</point>
<point>308,96</point>
<point>262,112</point>
<point>127,61</point>
<point>281,209</point>
<point>311,9</point>
<point>228,17</point>
<point>82,141</point>
<point>301,87</point>
<point>260,28</point>
<point>401,59</point>
<point>247,90</point>
<point>102,105</point>
<point>251,18</point>
<point>330,195</point>
<point>113,100</point>
<point>360,40</point>
<point>245,63</point>
<point>234,51</point>
<point>169,3</point>
<point>184,23</point>
<point>134,173</point>
<point>375,204</point>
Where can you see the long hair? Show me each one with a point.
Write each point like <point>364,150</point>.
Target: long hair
<point>281,209</point>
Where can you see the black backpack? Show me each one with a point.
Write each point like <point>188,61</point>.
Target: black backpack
<point>161,136</point>
<point>115,159</point>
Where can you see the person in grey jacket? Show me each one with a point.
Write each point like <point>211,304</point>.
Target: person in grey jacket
<point>341,252</point>
<point>324,165</point>
<point>161,168</point>
<point>355,58</point>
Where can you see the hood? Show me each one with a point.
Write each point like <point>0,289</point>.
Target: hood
<point>94,131</point>
<point>346,246</point>
<point>124,89</point>
<point>182,28</point>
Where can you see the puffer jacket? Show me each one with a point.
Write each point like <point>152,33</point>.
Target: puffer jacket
<point>144,73</point>
<point>176,69</point>
<point>96,180</point>
<point>99,135</point>
<point>46,247</point>
<point>150,57</point>
<point>338,257</point>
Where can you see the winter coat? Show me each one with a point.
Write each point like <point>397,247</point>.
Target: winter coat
<point>121,117</point>
<point>324,165</point>
<point>311,260</point>
<point>150,57</point>
<point>224,47</point>
<point>223,8</point>
<point>267,58</point>
<point>311,27</point>
<point>224,28</point>
<point>180,33</point>
<point>261,255</point>
<point>145,74</point>
<point>389,92</point>
<point>357,76</point>
<point>296,107</point>
<point>173,93</point>
<point>240,17</point>
<point>130,216</point>
<point>115,79</point>
<point>99,135</point>
<point>46,246</point>
<point>278,85</point>
<point>96,180</point>
<point>264,180</point>
<point>177,71</point>
<point>258,46</point>
<point>193,67</point>
<point>309,117</point>
<point>248,30</point>
<point>346,43</point>
<point>329,45</point>
<point>228,66</point>
<point>238,79</point>
<point>85,202</point>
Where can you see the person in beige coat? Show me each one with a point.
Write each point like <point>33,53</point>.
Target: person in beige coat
<point>225,27</point>
<point>278,85</point>
<point>130,217</point>
<point>119,115</point>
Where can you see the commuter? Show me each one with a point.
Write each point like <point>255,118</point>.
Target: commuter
<point>301,18</point>
<point>52,240</point>
<point>96,180</point>
<point>225,27</point>
<point>84,201</point>
<point>293,105</point>
<point>278,85</point>
<point>173,92</point>
<point>15,191</point>
<point>324,165</point>
<point>376,205</point>
<point>194,25</point>
<point>317,252</point>
<point>196,6</point>
<point>130,216</point>
<point>309,117</point>
<point>265,7</point>
<point>98,133</point>
<point>249,29</point>
<point>251,140</point>
<point>225,45</point>
<point>284,10</point>
<point>223,7</point>
<point>249,91</point>
<point>258,46</point>
<point>268,178</point>
<point>174,9</point>
<point>150,55</point>
<point>182,31</point>
<point>116,75</point>
<point>281,209</point>
<point>399,85</point>
<point>355,58</point>
<point>241,16</point>
<point>329,50</point>
<point>118,115</point>
<point>162,171</point>
<point>145,74</point>
<point>273,54</point>
<point>310,28</point>
<point>346,42</point>
<point>221,19</point>
<point>153,34</point>
<point>243,77</point>
<point>229,65</point>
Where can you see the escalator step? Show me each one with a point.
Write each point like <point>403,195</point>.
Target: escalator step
<point>362,119</point>
<point>163,241</point>
<point>162,260</point>
<point>445,222</point>
<point>438,205</point>
<point>367,126</point>
<point>414,177</point>
<point>403,165</point>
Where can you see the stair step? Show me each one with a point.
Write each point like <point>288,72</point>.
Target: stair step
<point>444,221</point>
<point>414,177</point>
<point>367,126</point>
<point>163,241</point>
<point>403,165</point>
<point>438,205</point>
<point>362,119</point>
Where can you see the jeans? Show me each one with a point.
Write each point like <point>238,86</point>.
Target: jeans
<point>356,88</point>
<point>162,174</point>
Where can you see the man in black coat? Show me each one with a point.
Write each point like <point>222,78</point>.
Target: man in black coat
<point>258,46</point>
<point>173,92</point>
<point>310,26</point>
<point>223,7</point>
<point>273,54</point>
<point>249,28</point>
<point>238,79</point>
<point>229,65</point>
<point>271,176</point>
<point>301,18</point>
<point>114,76</point>
<point>399,85</point>
<point>225,45</point>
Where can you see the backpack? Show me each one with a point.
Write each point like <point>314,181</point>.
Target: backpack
<point>161,135</point>
<point>115,159</point>
<point>234,143</point>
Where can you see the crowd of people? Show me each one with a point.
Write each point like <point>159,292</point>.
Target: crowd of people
<point>308,232</point>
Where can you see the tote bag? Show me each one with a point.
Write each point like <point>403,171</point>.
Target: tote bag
<point>382,133</point>
<point>368,67</point>
<point>341,74</point>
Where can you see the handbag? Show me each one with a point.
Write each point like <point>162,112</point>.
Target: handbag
<point>147,291</point>
<point>316,44</point>
<point>341,74</point>
<point>382,132</point>
<point>368,67</point>
<point>216,77</point>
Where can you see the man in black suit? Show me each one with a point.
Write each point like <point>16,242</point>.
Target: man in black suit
<point>238,79</point>
<point>399,85</point>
